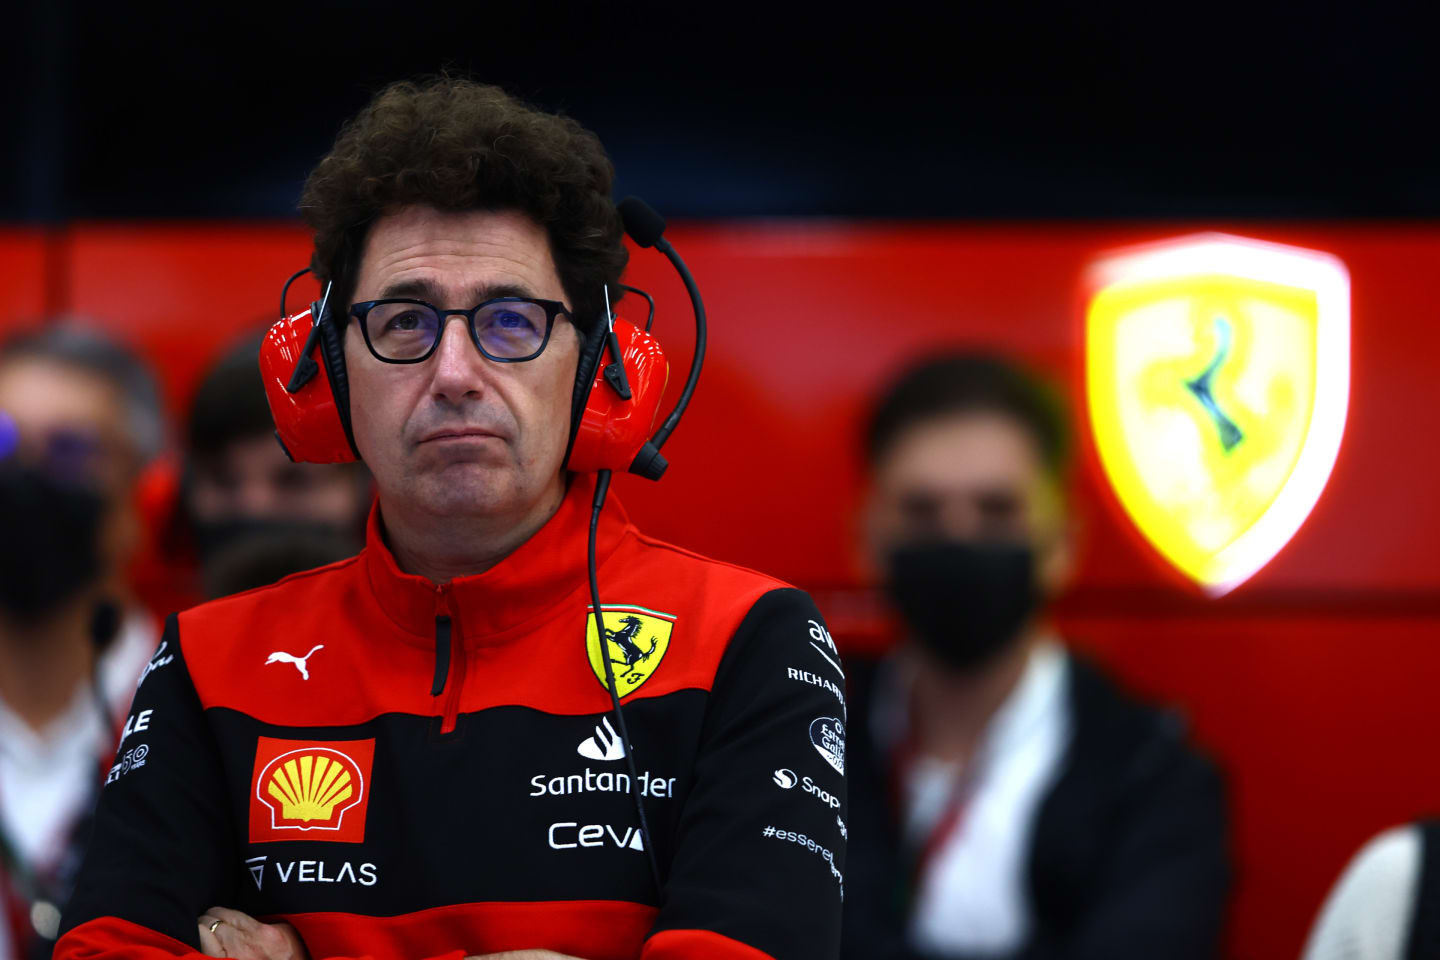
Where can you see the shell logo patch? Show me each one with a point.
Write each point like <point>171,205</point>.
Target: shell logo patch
<point>1217,380</point>
<point>636,641</point>
<point>310,790</point>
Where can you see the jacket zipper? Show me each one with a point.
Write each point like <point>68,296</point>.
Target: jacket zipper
<point>449,661</point>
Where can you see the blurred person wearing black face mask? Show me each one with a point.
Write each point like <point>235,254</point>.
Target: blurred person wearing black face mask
<point>1007,800</point>
<point>251,514</point>
<point>79,417</point>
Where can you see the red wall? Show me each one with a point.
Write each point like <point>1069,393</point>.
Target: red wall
<point>25,278</point>
<point>1311,684</point>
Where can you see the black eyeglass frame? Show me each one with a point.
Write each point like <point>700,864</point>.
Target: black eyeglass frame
<point>552,308</point>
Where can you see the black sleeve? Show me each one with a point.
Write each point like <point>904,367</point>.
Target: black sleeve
<point>163,848</point>
<point>1165,880</point>
<point>760,846</point>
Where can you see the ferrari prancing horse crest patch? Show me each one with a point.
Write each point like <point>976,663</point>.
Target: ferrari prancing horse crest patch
<point>636,639</point>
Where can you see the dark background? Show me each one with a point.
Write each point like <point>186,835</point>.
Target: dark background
<point>753,109</point>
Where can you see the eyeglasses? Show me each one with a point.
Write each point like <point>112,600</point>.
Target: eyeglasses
<point>505,329</point>
<point>75,456</point>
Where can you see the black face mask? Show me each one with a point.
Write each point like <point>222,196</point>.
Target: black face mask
<point>964,601</point>
<point>50,550</point>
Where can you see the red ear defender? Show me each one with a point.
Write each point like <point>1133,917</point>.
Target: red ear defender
<point>612,429</point>
<point>302,399</point>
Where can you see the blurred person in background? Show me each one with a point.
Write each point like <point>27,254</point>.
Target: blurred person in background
<point>1386,905</point>
<point>252,515</point>
<point>1007,799</point>
<point>79,418</point>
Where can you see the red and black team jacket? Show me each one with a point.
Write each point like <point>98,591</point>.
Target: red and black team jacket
<point>404,770</point>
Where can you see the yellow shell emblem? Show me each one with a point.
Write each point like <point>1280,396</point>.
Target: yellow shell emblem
<point>636,641</point>
<point>1217,379</point>
<point>314,786</point>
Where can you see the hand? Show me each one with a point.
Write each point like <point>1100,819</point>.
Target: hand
<point>242,937</point>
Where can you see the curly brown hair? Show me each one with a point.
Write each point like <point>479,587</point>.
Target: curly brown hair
<point>458,145</point>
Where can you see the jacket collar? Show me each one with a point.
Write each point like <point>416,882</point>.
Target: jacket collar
<point>545,572</point>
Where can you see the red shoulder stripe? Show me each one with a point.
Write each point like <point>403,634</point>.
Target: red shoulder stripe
<point>698,945</point>
<point>111,938</point>
<point>593,929</point>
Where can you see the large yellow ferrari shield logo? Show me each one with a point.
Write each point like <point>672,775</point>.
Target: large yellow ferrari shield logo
<point>636,639</point>
<point>1217,377</point>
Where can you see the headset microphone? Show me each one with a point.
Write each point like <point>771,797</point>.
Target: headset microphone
<point>647,228</point>
<point>642,223</point>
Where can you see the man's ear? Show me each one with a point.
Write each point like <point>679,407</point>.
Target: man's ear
<point>1059,557</point>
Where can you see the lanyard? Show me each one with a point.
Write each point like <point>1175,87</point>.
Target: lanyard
<point>18,930</point>
<point>23,885</point>
<point>918,857</point>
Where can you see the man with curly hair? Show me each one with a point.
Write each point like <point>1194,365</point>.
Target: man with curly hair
<point>407,754</point>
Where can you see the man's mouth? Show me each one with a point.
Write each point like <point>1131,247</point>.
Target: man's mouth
<point>459,433</point>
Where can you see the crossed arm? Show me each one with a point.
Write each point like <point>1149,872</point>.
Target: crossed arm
<point>757,869</point>
<point>230,933</point>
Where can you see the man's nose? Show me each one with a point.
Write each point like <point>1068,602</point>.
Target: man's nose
<point>258,497</point>
<point>459,367</point>
<point>958,520</point>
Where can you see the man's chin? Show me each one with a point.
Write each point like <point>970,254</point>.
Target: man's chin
<point>466,490</point>
<point>480,491</point>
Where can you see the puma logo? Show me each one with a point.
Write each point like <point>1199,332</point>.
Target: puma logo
<point>280,656</point>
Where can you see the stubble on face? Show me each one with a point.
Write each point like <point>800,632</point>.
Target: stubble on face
<point>460,436</point>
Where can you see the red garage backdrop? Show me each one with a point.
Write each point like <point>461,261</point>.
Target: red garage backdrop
<point>1314,684</point>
